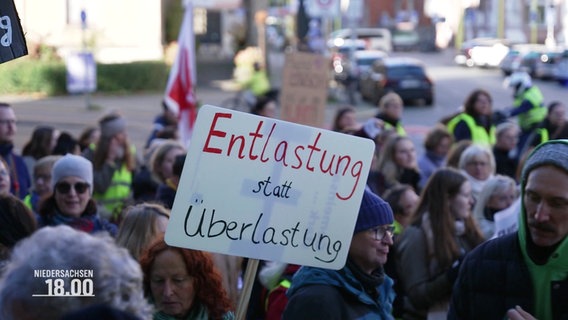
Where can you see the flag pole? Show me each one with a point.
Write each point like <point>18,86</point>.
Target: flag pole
<point>248,281</point>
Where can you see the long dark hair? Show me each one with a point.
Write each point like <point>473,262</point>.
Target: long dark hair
<point>469,106</point>
<point>39,144</point>
<point>435,199</point>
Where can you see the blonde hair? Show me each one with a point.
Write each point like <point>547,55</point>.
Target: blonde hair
<point>473,151</point>
<point>388,99</point>
<point>494,185</point>
<point>138,229</point>
<point>386,163</point>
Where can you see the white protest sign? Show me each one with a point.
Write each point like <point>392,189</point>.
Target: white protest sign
<point>506,221</point>
<point>268,189</point>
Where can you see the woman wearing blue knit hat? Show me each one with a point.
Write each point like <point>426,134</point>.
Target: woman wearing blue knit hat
<point>360,289</point>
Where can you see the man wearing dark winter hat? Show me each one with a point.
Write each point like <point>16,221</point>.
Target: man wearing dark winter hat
<point>360,289</point>
<point>524,275</point>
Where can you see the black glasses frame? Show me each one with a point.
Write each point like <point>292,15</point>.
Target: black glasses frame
<point>65,187</point>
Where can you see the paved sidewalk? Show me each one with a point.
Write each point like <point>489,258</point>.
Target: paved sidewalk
<point>70,113</point>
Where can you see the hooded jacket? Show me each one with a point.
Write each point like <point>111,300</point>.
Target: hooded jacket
<point>318,293</point>
<point>500,274</point>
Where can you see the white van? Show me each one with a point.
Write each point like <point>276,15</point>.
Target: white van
<point>375,38</point>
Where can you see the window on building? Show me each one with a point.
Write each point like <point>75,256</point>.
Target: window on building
<point>538,17</point>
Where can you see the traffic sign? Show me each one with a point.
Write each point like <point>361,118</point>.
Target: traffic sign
<point>323,8</point>
<point>355,10</point>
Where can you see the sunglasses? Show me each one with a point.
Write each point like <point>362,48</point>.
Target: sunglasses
<point>65,187</point>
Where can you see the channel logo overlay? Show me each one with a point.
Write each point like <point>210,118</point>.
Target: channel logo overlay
<point>66,283</point>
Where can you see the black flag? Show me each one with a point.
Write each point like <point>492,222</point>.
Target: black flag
<point>12,41</point>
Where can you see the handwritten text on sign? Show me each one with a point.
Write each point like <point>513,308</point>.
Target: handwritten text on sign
<point>269,189</point>
<point>304,88</point>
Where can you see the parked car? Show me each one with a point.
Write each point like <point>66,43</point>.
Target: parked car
<point>512,60</point>
<point>339,55</point>
<point>561,69</point>
<point>363,59</point>
<point>405,40</point>
<point>529,61</point>
<point>482,52</point>
<point>545,65</point>
<point>374,38</point>
<point>405,76</point>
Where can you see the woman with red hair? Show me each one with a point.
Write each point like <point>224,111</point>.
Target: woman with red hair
<point>183,284</point>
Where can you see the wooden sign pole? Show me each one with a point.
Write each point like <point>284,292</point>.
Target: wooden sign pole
<point>250,274</point>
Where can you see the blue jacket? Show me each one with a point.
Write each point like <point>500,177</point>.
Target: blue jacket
<point>20,181</point>
<point>318,293</point>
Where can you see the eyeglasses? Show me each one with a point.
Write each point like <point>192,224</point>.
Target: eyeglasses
<point>44,177</point>
<point>65,187</point>
<point>7,121</point>
<point>381,232</point>
<point>477,164</point>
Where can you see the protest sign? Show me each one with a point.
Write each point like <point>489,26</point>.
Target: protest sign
<point>304,89</point>
<point>506,221</point>
<point>268,189</point>
<point>12,41</point>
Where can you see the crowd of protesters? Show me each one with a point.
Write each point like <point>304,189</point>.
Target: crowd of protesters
<point>432,249</point>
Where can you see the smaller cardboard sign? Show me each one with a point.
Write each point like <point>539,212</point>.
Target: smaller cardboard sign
<point>268,189</point>
<point>12,40</point>
<point>304,89</point>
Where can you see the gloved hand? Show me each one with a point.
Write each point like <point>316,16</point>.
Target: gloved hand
<point>499,116</point>
<point>452,273</point>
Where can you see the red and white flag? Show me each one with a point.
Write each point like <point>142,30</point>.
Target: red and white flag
<point>180,91</point>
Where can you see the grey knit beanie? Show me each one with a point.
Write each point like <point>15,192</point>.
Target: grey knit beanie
<point>553,152</point>
<point>111,127</point>
<point>72,166</point>
<point>373,212</point>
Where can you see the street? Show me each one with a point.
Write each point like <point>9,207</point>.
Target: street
<point>452,84</point>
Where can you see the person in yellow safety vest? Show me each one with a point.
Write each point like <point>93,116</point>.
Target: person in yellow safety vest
<point>258,83</point>
<point>276,278</point>
<point>475,122</point>
<point>553,127</point>
<point>390,112</point>
<point>114,162</point>
<point>528,105</point>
